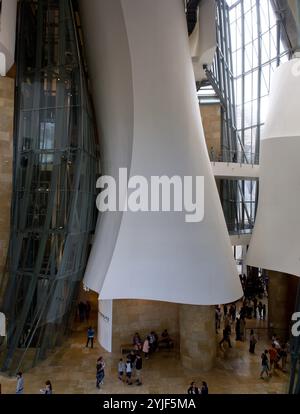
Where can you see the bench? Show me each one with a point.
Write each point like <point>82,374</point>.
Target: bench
<point>126,348</point>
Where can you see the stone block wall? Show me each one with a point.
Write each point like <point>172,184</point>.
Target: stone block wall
<point>143,316</point>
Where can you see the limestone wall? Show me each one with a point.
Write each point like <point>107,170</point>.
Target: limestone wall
<point>6,156</point>
<point>211,120</point>
<point>143,316</point>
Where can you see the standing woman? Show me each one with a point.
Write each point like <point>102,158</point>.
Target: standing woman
<point>146,347</point>
<point>253,342</point>
<point>100,372</point>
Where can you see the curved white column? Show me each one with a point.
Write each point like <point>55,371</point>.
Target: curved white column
<point>7,35</point>
<point>203,39</point>
<point>148,116</point>
<point>275,243</point>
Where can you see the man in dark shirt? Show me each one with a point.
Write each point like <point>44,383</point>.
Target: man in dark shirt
<point>90,337</point>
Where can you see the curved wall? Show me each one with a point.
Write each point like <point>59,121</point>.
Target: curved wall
<point>275,243</point>
<point>155,255</point>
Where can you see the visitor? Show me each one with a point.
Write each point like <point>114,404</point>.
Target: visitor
<point>81,310</point>
<point>226,336</point>
<point>243,328</point>
<point>137,342</point>
<point>273,357</point>
<point>193,389</point>
<point>20,383</point>
<point>264,311</point>
<point>90,337</point>
<point>238,330</point>
<point>138,369</point>
<point>87,310</point>
<point>100,373</point>
<point>204,388</point>
<point>132,358</point>
<point>284,355</point>
<point>166,339</point>
<point>260,310</point>
<point>225,310</point>
<point>47,389</point>
<point>253,342</point>
<point>128,372</point>
<point>153,341</point>
<point>276,342</point>
<point>121,369</point>
<point>264,364</point>
<point>218,318</point>
<point>146,347</point>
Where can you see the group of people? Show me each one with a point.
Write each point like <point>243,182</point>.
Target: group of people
<point>131,369</point>
<point>20,385</point>
<point>193,389</point>
<point>271,358</point>
<point>152,342</point>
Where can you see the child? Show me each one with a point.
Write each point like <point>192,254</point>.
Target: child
<point>128,372</point>
<point>121,369</point>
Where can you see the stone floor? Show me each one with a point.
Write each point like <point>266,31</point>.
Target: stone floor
<point>71,370</point>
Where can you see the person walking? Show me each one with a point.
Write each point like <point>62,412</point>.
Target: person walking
<point>90,337</point>
<point>273,353</point>
<point>138,369</point>
<point>100,371</point>
<point>253,342</point>
<point>20,383</point>
<point>264,364</point>
<point>121,369</point>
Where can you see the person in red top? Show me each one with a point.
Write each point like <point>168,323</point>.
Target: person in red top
<point>273,357</point>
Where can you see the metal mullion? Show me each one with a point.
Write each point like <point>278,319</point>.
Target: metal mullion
<point>259,39</point>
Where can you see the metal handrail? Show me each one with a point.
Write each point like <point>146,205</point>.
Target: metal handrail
<point>232,156</point>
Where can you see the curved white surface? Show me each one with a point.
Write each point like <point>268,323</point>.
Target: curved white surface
<point>157,255</point>
<point>203,39</point>
<point>283,113</point>
<point>275,243</point>
<point>7,35</point>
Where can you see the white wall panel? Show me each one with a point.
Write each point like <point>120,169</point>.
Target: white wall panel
<point>275,243</point>
<point>7,35</point>
<point>148,116</point>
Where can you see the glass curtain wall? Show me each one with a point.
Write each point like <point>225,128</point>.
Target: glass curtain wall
<point>55,173</point>
<point>251,42</point>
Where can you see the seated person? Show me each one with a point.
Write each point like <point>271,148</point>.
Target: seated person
<point>166,340</point>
